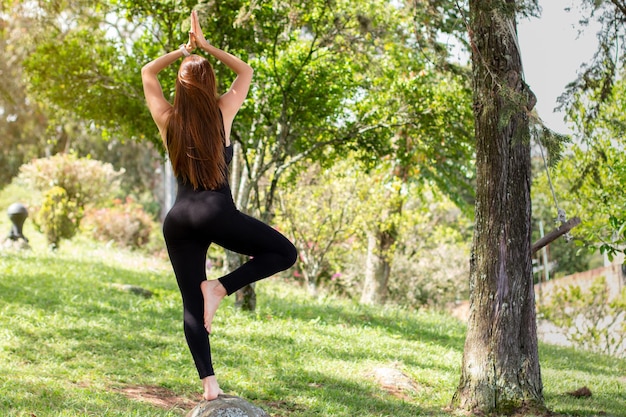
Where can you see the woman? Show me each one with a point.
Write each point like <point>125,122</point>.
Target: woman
<point>196,132</point>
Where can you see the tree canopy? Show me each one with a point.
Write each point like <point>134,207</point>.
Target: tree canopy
<point>330,78</point>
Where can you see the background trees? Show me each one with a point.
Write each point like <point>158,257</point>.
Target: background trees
<point>595,103</point>
<point>23,126</point>
<point>332,81</point>
<point>77,90</point>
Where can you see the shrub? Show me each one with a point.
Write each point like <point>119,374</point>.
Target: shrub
<point>84,180</point>
<point>125,223</point>
<point>590,319</point>
<point>58,216</point>
<point>433,276</point>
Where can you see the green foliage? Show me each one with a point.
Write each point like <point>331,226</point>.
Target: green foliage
<point>591,320</point>
<point>431,266</point>
<point>594,85</point>
<point>329,212</point>
<point>125,223</point>
<point>23,121</point>
<point>85,181</point>
<point>594,181</point>
<point>87,70</point>
<point>318,212</point>
<point>420,117</point>
<point>591,178</point>
<point>596,105</point>
<point>601,178</point>
<point>58,216</point>
<point>567,254</point>
<point>441,146</point>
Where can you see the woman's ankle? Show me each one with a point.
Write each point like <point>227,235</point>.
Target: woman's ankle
<point>211,388</point>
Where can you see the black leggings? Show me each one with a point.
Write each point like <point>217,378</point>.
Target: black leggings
<point>199,218</point>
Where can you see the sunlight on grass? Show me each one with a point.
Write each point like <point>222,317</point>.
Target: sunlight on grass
<point>70,341</point>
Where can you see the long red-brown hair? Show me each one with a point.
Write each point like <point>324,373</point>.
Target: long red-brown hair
<point>195,138</point>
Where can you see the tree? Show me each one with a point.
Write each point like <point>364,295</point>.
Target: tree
<point>430,143</point>
<point>584,96</point>
<point>23,122</point>
<point>431,265</point>
<point>328,213</point>
<point>500,370</point>
<point>383,203</point>
<point>594,174</point>
<point>58,96</point>
<point>595,103</point>
<point>423,98</point>
<point>318,211</point>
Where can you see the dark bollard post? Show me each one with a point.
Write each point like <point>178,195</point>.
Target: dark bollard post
<point>17,214</point>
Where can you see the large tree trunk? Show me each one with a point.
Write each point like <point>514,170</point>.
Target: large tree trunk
<point>500,371</point>
<point>377,267</point>
<point>381,239</point>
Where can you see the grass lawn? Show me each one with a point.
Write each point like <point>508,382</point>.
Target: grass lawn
<point>74,344</point>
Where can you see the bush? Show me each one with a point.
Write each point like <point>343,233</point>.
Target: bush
<point>58,217</point>
<point>85,181</point>
<point>591,320</point>
<point>432,276</point>
<point>125,223</point>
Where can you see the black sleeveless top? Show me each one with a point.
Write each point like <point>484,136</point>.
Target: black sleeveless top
<point>228,157</point>
<point>225,188</point>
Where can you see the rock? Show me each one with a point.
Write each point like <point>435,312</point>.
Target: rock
<point>226,406</point>
<point>394,382</point>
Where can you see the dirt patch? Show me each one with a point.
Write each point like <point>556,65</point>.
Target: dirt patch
<point>159,397</point>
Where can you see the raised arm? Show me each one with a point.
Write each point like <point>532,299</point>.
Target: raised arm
<point>232,100</point>
<point>157,104</point>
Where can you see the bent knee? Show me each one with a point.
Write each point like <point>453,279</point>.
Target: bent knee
<point>290,256</point>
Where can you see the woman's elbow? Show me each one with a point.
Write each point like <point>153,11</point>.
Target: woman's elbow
<point>249,70</point>
<point>147,71</point>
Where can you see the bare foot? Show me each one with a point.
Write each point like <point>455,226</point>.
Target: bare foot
<point>213,292</point>
<point>211,388</point>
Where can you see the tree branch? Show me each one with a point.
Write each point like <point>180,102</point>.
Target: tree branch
<point>553,235</point>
